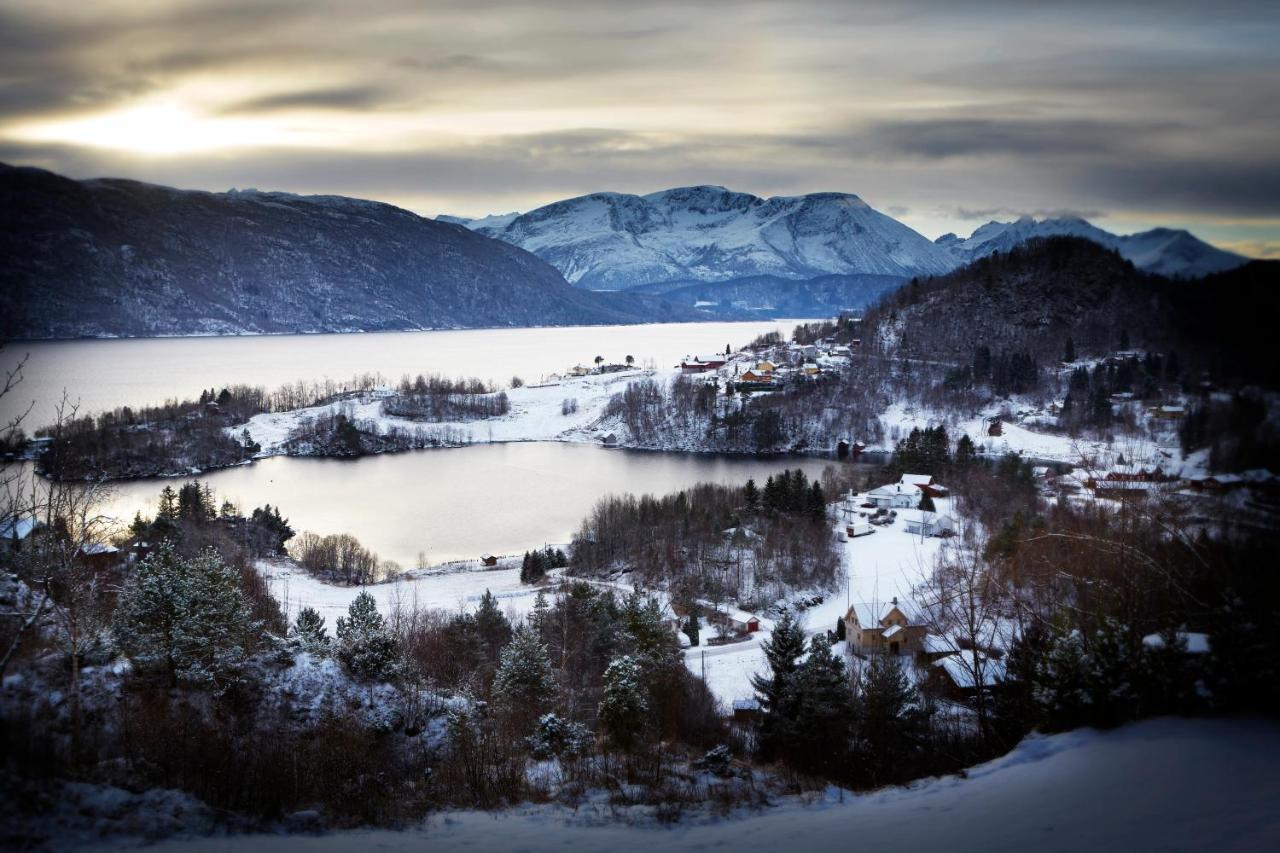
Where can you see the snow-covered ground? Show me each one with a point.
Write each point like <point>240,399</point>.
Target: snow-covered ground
<point>452,588</point>
<point>878,567</point>
<point>1167,784</point>
<point>536,413</point>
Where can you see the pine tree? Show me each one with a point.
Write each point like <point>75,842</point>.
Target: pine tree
<point>556,737</point>
<point>817,502</point>
<point>751,495</point>
<point>524,685</point>
<point>966,453</point>
<point>623,704</point>
<point>184,619</point>
<point>365,645</point>
<point>1069,351</point>
<point>168,509</point>
<point>309,632</point>
<point>926,502</point>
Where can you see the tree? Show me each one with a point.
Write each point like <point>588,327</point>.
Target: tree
<point>492,627</point>
<point>888,721</point>
<point>751,495</point>
<point>599,360</point>
<point>691,627</point>
<point>966,453</point>
<point>365,646</point>
<point>819,729</point>
<point>524,686</point>
<point>1124,339</point>
<point>184,619</point>
<point>630,360</point>
<point>168,509</point>
<point>623,704</point>
<point>1069,351</point>
<point>926,502</point>
<point>773,691</point>
<point>309,633</point>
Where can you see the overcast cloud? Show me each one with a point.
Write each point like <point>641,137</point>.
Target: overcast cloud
<point>1134,114</point>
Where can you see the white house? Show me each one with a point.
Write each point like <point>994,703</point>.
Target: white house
<point>924,523</point>
<point>895,495</point>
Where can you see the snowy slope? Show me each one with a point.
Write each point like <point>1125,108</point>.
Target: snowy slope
<point>1168,252</point>
<point>1166,784</point>
<point>611,241</point>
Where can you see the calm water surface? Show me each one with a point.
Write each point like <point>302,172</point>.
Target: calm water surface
<point>103,374</point>
<point>458,503</point>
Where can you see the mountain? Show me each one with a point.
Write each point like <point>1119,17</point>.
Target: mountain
<point>113,257</point>
<point>1039,293</point>
<point>771,296</point>
<point>1165,251</point>
<point>614,241</point>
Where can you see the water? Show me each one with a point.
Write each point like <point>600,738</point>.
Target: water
<point>440,504</point>
<point>103,374</point>
<point>459,503</point>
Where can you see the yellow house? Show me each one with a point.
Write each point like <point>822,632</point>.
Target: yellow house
<point>765,366</point>
<point>872,628</point>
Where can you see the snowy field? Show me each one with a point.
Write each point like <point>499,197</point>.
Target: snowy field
<point>1168,785</point>
<point>439,589</point>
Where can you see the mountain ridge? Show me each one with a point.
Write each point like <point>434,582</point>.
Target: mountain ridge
<point>709,233</point>
<point>114,257</point>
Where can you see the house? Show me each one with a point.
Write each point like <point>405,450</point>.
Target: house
<point>955,677</point>
<point>609,440</point>
<point>488,560</point>
<point>98,555</point>
<point>746,710</point>
<point>758,378</point>
<point>923,523</point>
<point>1168,413</point>
<point>701,364</point>
<point>925,483</point>
<point>15,531</point>
<point>810,369</point>
<point>1044,474</point>
<point>894,496</point>
<point>872,628</point>
<point>995,427</point>
<point>579,370</point>
<point>765,366</point>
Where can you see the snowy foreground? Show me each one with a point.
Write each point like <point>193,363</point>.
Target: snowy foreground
<point>1194,785</point>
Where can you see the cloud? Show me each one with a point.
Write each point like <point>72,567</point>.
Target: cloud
<point>343,98</point>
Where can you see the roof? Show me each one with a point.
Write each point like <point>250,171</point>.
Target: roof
<point>961,673</point>
<point>17,528</point>
<point>486,556</point>
<point>869,613</point>
<point>1196,643</point>
<point>746,705</point>
<point>892,631</point>
<point>97,548</point>
<point>895,489</point>
<point>920,516</point>
<point>916,479</point>
<point>935,645</point>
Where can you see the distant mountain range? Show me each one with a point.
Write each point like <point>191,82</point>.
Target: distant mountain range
<point>1165,251</point>
<point>665,241</point>
<point>121,258</point>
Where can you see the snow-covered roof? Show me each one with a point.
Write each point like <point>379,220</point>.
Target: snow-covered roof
<point>891,632</point>
<point>961,672</point>
<point>98,548</point>
<point>916,479</point>
<point>869,613</point>
<point>920,516</point>
<point>746,705</point>
<point>17,528</point>
<point>892,489</point>
<point>1196,643</point>
<point>935,645</point>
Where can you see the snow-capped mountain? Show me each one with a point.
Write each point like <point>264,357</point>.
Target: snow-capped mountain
<point>1165,251</point>
<point>613,241</point>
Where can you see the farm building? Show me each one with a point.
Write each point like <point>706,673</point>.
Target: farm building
<point>923,523</point>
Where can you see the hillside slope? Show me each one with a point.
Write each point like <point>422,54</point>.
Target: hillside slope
<point>120,258</point>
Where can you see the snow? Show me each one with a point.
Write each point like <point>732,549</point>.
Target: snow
<point>455,588</point>
<point>1166,784</point>
<point>878,568</point>
<point>1196,642</point>
<point>536,413</point>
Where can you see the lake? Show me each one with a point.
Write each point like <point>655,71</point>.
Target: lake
<point>442,504</point>
<point>460,502</point>
<point>103,374</point>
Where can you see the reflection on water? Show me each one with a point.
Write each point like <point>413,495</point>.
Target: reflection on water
<point>108,373</point>
<point>457,503</point>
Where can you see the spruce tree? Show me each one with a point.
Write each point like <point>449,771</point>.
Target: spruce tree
<point>926,502</point>
<point>309,632</point>
<point>365,645</point>
<point>1069,351</point>
<point>623,704</point>
<point>774,693</point>
<point>492,627</point>
<point>889,722</point>
<point>822,701</point>
<point>751,495</point>
<point>185,620</point>
<point>524,686</point>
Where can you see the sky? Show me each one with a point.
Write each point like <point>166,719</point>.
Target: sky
<point>943,115</point>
